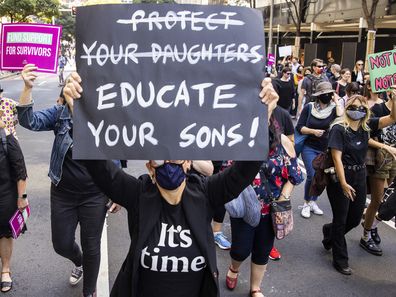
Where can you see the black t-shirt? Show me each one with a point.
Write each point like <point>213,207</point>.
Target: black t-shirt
<point>386,135</point>
<point>286,92</point>
<point>284,120</point>
<point>352,144</point>
<point>308,120</point>
<point>75,177</point>
<point>171,263</point>
<point>340,89</point>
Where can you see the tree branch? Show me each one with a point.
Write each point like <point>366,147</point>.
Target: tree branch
<point>289,6</point>
<point>374,8</point>
<point>308,3</point>
<point>365,9</point>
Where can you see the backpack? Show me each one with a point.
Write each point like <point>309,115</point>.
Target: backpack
<point>314,83</point>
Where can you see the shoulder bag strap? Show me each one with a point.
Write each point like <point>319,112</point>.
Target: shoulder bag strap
<point>267,188</point>
<point>3,140</point>
<point>338,88</point>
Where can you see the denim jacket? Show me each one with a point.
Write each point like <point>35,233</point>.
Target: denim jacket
<point>57,119</point>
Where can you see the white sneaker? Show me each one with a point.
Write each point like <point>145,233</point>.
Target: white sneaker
<point>315,208</point>
<point>306,211</point>
<point>76,275</point>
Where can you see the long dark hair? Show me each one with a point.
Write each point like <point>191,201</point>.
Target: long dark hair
<point>274,132</point>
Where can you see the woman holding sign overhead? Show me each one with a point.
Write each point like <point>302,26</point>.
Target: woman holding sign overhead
<point>172,252</point>
<point>75,199</point>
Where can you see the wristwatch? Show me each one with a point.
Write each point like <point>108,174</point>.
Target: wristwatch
<point>24,196</point>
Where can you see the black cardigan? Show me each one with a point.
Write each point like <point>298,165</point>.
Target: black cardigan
<point>142,200</point>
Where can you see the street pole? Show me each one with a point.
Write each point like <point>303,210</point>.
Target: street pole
<point>270,27</point>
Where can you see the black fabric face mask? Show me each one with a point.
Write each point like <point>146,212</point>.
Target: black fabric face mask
<point>170,176</point>
<point>325,98</point>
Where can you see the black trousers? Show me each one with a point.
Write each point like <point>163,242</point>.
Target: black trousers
<point>67,210</point>
<point>347,214</point>
<point>247,240</point>
<point>220,211</point>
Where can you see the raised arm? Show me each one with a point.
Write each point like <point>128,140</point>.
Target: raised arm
<point>40,120</point>
<point>227,185</point>
<point>43,120</point>
<point>119,186</point>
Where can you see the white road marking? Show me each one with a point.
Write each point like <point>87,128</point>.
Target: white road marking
<point>102,288</point>
<point>43,82</point>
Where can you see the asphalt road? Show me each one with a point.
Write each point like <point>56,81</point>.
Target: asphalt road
<point>304,270</point>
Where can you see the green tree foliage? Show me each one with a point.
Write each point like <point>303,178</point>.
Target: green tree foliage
<point>25,10</point>
<point>68,23</point>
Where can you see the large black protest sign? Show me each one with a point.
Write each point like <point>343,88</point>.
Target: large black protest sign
<point>170,82</point>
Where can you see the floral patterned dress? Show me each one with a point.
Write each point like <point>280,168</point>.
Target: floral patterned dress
<point>278,170</point>
<point>8,114</point>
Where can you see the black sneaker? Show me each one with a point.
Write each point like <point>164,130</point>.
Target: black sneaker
<point>371,247</point>
<point>344,270</point>
<point>375,236</point>
<point>76,275</point>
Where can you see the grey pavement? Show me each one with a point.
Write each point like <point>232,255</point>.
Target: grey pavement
<point>304,270</point>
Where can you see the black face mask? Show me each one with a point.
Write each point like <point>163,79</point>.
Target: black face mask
<point>325,98</point>
<point>170,176</point>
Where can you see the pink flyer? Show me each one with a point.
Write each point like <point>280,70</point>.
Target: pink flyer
<point>30,43</point>
<point>18,221</point>
<point>270,59</point>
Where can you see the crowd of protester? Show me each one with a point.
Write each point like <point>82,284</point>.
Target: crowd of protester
<point>336,113</point>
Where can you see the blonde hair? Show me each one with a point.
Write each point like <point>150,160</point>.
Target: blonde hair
<point>345,120</point>
<point>355,68</point>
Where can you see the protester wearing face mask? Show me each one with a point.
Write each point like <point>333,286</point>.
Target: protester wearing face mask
<point>315,121</point>
<point>172,251</point>
<point>310,84</point>
<point>348,143</point>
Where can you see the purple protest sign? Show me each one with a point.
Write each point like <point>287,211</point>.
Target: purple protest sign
<point>30,43</point>
<point>270,59</point>
<point>18,221</point>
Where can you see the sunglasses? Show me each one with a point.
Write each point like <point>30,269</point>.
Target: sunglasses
<point>360,64</point>
<point>319,66</point>
<point>360,108</point>
<point>288,73</point>
<point>158,163</point>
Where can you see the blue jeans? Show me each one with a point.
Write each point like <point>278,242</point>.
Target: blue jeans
<point>308,154</point>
